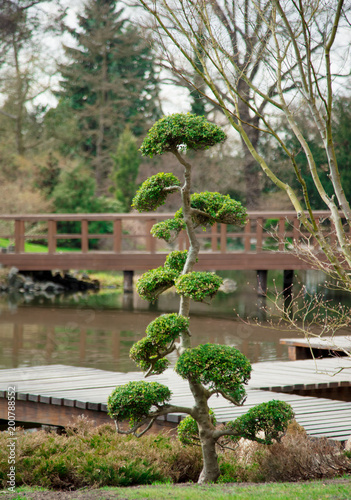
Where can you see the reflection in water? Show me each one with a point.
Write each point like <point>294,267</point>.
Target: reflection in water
<point>98,330</point>
<point>102,339</point>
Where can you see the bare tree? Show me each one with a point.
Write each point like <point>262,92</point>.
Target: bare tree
<point>245,34</point>
<point>298,48</point>
<point>25,72</point>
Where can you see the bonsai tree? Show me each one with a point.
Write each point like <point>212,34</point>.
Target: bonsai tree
<point>210,369</point>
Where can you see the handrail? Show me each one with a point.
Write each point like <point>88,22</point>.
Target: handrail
<point>135,227</point>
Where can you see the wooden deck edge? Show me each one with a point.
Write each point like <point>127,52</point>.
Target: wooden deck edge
<point>36,409</point>
<point>296,387</point>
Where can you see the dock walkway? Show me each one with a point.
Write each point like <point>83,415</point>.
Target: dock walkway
<point>54,394</point>
<point>300,348</point>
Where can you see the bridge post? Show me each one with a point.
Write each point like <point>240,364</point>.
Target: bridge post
<point>128,281</point>
<point>262,282</point>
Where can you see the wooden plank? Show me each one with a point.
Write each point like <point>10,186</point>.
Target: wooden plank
<point>259,234</point>
<point>117,235</point>
<point>83,388</point>
<point>52,228</point>
<point>247,238</point>
<point>223,240</point>
<point>335,343</point>
<point>214,237</point>
<point>19,236</point>
<point>85,232</point>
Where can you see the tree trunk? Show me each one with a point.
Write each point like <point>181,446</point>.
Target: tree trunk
<point>250,123</point>
<point>210,472</point>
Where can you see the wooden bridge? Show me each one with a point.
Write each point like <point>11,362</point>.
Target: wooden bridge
<point>127,245</point>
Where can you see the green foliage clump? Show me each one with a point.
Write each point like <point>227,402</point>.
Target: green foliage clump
<point>176,260</point>
<point>217,207</point>
<point>160,334</point>
<point>272,418</point>
<point>168,229</point>
<point>181,130</point>
<point>152,283</point>
<point>223,368</point>
<point>133,401</point>
<point>167,327</point>
<point>152,193</point>
<point>145,353</point>
<point>198,285</point>
<point>188,431</point>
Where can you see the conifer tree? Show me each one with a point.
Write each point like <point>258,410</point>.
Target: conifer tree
<point>210,369</point>
<point>109,81</point>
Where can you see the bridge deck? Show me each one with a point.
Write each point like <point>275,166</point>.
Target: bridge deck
<point>54,394</point>
<point>142,261</point>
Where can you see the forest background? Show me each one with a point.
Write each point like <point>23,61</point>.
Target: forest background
<point>81,85</point>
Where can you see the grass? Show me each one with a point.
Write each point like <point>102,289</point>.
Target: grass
<point>36,248</point>
<point>283,491</point>
<point>312,490</point>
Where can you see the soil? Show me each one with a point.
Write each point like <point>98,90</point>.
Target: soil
<point>98,494</point>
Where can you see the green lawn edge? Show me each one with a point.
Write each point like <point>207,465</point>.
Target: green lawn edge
<point>336,489</point>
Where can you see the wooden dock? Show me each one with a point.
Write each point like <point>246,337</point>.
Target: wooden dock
<point>318,347</point>
<point>54,394</point>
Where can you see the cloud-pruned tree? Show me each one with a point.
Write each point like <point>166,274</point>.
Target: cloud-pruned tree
<point>210,369</point>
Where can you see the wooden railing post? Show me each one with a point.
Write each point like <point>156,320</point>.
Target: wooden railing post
<point>19,236</point>
<point>85,242</point>
<point>281,234</point>
<point>214,237</point>
<point>117,236</point>
<point>223,238</point>
<point>52,236</point>
<point>150,240</point>
<point>247,233</point>
<point>259,234</point>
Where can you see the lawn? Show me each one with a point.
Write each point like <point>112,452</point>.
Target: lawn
<point>36,248</point>
<point>337,489</point>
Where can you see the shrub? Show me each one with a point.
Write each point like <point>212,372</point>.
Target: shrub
<point>88,456</point>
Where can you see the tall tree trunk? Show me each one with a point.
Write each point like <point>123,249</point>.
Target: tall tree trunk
<point>251,168</point>
<point>19,102</point>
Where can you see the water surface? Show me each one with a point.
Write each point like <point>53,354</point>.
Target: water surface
<point>98,330</point>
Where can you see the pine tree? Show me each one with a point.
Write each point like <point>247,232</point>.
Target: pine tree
<point>108,82</point>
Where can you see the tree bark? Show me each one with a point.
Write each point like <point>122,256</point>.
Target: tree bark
<point>210,471</point>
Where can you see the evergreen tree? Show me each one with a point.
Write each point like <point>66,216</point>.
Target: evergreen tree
<point>108,82</point>
<point>126,168</point>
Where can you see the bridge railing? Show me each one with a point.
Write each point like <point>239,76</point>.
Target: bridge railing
<point>264,231</point>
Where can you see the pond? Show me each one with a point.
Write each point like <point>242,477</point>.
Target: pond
<point>97,330</point>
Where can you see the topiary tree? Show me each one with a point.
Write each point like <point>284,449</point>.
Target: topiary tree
<point>210,369</point>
